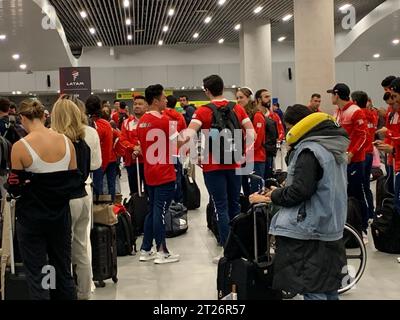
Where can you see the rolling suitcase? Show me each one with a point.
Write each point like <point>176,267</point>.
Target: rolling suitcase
<point>191,192</point>
<point>176,220</point>
<point>104,254</point>
<point>354,219</point>
<point>212,223</point>
<point>249,271</point>
<point>13,278</point>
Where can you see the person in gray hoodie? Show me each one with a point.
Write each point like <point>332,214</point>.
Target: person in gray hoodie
<point>310,254</point>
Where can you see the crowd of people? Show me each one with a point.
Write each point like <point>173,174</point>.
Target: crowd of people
<point>57,173</point>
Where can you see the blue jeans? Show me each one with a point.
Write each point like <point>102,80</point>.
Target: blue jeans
<point>224,189</point>
<point>154,225</point>
<point>98,175</point>
<point>329,296</point>
<point>178,198</point>
<point>132,177</point>
<point>397,193</point>
<point>269,167</point>
<point>254,185</point>
<point>355,188</point>
<point>367,185</point>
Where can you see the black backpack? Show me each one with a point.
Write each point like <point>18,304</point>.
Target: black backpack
<point>122,117</point>
<point>83,158</point>
<point>271,136</point>
<point>225,122</point>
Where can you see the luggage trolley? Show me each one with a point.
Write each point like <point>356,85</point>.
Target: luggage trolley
<point>356,257</point>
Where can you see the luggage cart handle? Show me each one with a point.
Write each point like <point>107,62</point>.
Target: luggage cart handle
<point>138,177</point>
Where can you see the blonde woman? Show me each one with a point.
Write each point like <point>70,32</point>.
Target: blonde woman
<point>66,118</point>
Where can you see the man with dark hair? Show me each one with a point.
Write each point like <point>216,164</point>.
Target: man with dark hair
<point>109,160</point>
<point>121,114</point>
<point>353,120</point>
<point>188,109</point>
<point>128,144</point>
<point>361,99</point>
<point>315,102</point>
<point>310,253</point>
<point>155,136</point>
<point>13,108</point>
<point>386,83</point>
<point>177,121</point>
<point>220,175</point>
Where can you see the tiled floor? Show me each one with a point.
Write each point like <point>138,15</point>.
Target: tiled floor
<point>194,277</point>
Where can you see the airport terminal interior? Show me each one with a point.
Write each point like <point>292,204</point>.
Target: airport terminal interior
<point>118,180</point>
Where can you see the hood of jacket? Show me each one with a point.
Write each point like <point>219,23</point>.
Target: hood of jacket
<point>332,137</point>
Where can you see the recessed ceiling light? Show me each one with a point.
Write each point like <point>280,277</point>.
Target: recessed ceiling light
<point>23,66</point>
<point>13,92</point>
<point>3,37</point>
<point>258,9</point>
<point>58,91</point>
<point>160,43</point>
<point>132,89</point>
<point>165,28</point>
<point>126,3</point>
<point>83,14</point>
<point>92,30</point>
<point>171,12</point>
<point>287,17</point>
<point>238,26</point>
<point>19,92</point>
<point>221,41</point>
<point>16,56</point>
<point>129,37</point>
<point>196,35</point>
<point>345,7</point>
<point>207,20</point>
<point>99,44</point>
<point>396,41</point>
<point>128,22</point>
<point>377,55</point>
<point>234,86</point>
<point>221,2</point>
<point>104,90</point>
<point>183,88</point>
<point>282,39</point>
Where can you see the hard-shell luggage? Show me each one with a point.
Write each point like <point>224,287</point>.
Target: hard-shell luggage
<point>212,223</point>
<point>247,264</point>
<point>191,192</point>
<point>104,253</point>
<point>176,220</point>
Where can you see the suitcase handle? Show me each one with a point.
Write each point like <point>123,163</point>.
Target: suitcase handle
<point>138,177</point>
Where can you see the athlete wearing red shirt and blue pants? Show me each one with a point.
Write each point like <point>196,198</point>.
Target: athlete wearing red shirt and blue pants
<point>155,136</point>
<point>353,120</point>
<point>223,182</point>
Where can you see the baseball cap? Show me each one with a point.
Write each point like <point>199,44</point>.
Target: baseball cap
<point>395,85</point>
<point>341,89</point>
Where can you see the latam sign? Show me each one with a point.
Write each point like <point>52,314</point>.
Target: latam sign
<point>76,81</point>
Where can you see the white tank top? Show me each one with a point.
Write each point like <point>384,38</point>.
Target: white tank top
<point>40,166</point>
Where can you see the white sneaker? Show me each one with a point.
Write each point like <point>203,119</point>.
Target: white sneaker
<point>365,238</point>
<point>147,255</point>
<point>163,258</point>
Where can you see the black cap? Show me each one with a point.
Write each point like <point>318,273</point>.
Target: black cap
<point>342,90</point>
<point>395,85</point>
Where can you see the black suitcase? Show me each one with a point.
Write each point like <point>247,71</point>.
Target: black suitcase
<point>104,254</point>
<point>386,228</point>
<point>212,223</point>
<point>248,264</point>
<point>126,239</point>
<point>176,220</point>
<point>382,191</point>
<point>191,193</point>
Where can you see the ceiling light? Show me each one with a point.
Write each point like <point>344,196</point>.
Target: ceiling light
<point>234,86</point>
<point>83,14</point>
<point>258,9</point>
<point>104,90</point>
<point>287,17</point>
<point>221,41</point>
<point>377,55</point>
<point>282,39</point>
<point>160,43</point>
<point>58,91</point>
<point>130,37</point>
<point>23,66</point>
<point>165,28</point>
<point>128,22</point>
<point>238,26</point>
<point>196,35</point>
<point>19,92</point>
<point>3,37</point>
<point>171,12</point>
<point>126,3</point>
<point>132,89</point>
<point>16,56</point>
<point>221,2</point>
<point>13,92</point>
<point>396,41</point>
<point>92,30</point>
<point>207,20</point>
<point>99,44</point>
<point>183,88</point>
<point>345,7</point>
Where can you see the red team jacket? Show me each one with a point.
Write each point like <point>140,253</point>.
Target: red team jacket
<point>372,125</point>
<point>353,120</point>
<point>393,137</point>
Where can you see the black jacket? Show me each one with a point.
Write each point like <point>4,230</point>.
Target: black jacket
<point>45,197</point>
<point>307,266</point>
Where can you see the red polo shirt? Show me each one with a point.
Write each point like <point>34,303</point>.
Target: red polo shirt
<point>259,145</point>
<point>154,134</point>
<point>106,136</point>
